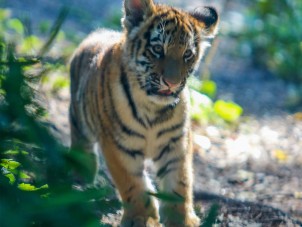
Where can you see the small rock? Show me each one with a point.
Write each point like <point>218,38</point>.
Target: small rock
<point>202,141</point>
<point>241,176</point>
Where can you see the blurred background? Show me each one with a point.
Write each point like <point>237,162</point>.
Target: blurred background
<point>246,95</point>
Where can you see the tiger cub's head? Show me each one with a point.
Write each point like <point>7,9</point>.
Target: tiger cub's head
<point>164,45</point>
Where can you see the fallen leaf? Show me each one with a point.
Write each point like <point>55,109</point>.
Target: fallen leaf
<point>280,155</point>
<point>228,111</point>
<point>298,195</point>
<point>298,116</point>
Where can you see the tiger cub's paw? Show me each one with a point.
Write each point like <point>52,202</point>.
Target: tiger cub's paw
<point>193,221</point>
<point>140,222</point>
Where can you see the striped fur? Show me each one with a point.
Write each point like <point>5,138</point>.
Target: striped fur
<point>129,96</point>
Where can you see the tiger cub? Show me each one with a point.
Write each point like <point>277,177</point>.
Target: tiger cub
<point>129,96</point>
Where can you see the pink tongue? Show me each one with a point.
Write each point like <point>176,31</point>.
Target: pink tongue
<point>166,92</point>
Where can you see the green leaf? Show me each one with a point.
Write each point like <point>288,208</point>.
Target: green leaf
<point>16,25</point>
<point>74,197</point>
<point>211,217</point>
<point>46,195</point>
<point>60,83</point>
<point>15,152</point>
<point>4,14</point>
<point>11,178</point>
<point>201,107</point>
<point>29,187</point>
<point>228,111</point>
<point>168,197</point>
<point>9,164</point>
<point>30,43</point>
<point>209,88</point>
<point>24,175</point>
<point>8,174</point>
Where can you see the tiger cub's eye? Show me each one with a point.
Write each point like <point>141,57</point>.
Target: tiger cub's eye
<point>158,49</point>
<point>188,54</point>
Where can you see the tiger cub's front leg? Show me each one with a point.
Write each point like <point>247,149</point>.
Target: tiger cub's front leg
<point>174,172</point>
<point>128,175</point>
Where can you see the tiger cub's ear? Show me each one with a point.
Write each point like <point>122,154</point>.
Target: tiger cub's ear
<point>208,18</point>
<point>135,11</point>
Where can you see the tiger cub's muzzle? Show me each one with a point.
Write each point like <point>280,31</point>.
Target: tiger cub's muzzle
<point>168,87</point>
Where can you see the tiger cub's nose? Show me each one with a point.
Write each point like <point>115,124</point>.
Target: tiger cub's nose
<point>171,84</point>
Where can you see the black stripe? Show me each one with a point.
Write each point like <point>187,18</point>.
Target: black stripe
<point>127,91</point>
<point>87,114</point>
<point>179,195</point>
<point>196,41</point>
<point>93,106</point>
<point>76,66</point>
<point>140,82</point>
<point>131,152</point>
<point>163,115</point>
<point>182,183</point>
<point>106,109</point>
<point>116,116</point>
<point>105,63</point>
<point>152,24</point>
<point>163,171</point>
<point>100,116</point>
<point>133,46</point>
<point>97,101</point>
<point>148,202</point>
<point>172,20</point>
<point>130,189</point>
<point>190,27</point>
<point>155,39</point>
<point>143,63</point>
<point>73,121</point>
<point>130,132</point>
<point>138,46</point>
<point>129,199</point>
<point>171,129</point>
<point>167,148</point>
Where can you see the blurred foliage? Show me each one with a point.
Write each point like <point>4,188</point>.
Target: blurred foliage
<point>36,183</point>
<point>211,217</point>
<point>19,31</point>
<point>274,32</point>
<point>113,21</point>
<point>206,110</point>
<point>13,30</point>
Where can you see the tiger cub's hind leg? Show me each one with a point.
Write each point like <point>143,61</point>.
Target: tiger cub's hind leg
<point>82,150</point>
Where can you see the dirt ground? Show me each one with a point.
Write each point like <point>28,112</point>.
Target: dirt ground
<point>259,161</point>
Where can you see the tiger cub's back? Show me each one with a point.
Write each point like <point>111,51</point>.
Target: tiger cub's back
<point>84,76</point>
<point>90,53</point>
